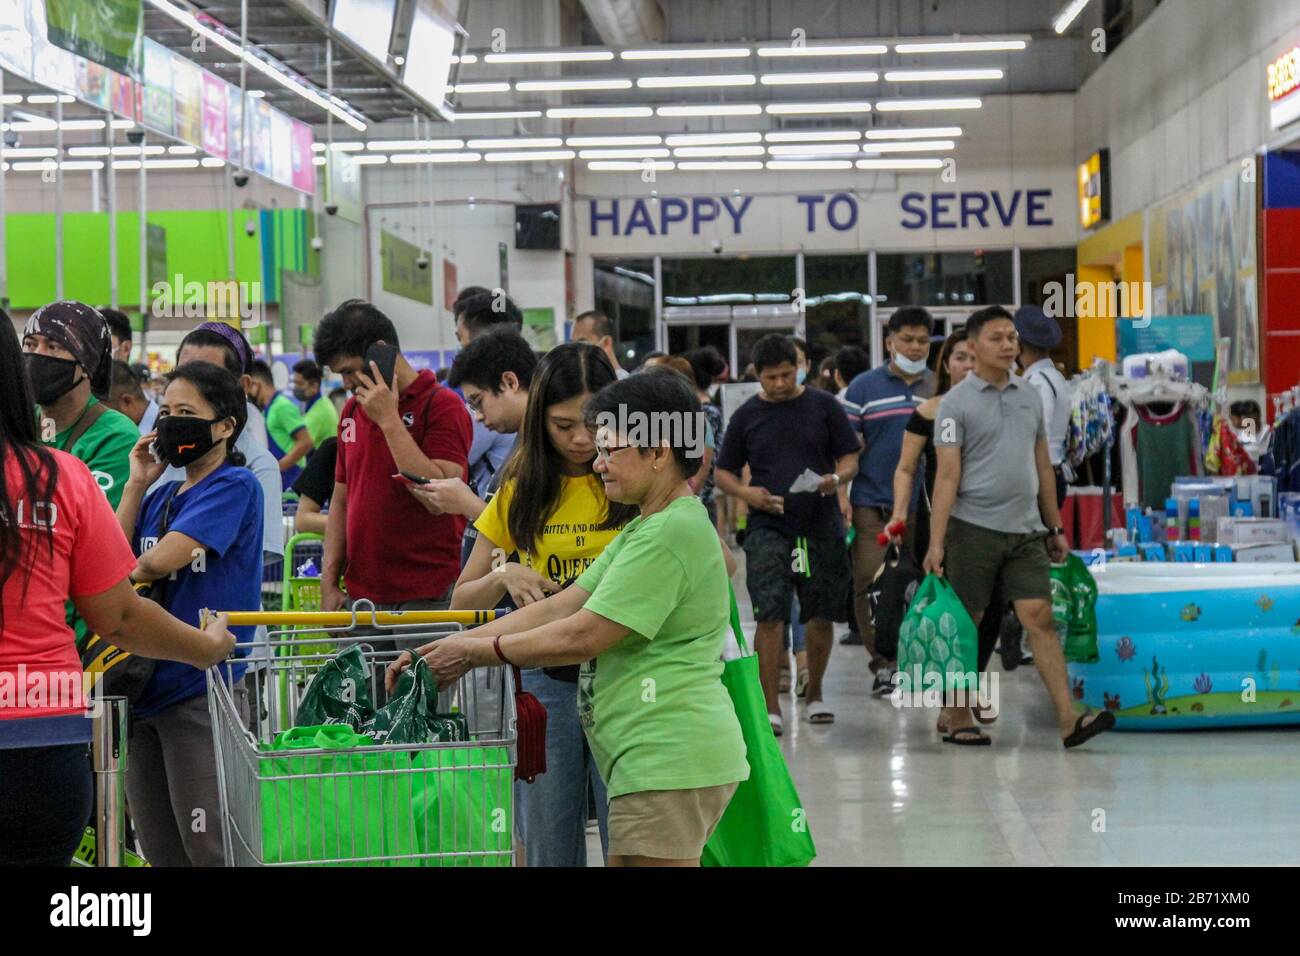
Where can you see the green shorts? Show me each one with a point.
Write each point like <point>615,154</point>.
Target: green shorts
<point>978,560</point>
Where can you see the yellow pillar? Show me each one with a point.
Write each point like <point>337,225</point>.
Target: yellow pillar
<point>1131,274</point>
<point>1096,325</point>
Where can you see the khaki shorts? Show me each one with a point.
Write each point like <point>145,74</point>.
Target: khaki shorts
<point>978,560</point>
<point>666,824</point>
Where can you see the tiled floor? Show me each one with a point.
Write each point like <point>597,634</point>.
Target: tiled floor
<point>881,790</point>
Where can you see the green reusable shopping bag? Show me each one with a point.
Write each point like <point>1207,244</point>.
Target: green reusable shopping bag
<point>764,824</point>
<point>338,693</point>
<point>937,642</point>
<point>1081,636</point>
<point>463,805</point>
<point>409,717</point>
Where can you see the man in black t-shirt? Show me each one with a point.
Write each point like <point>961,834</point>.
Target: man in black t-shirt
<point>794,542</point>
<point>314,486</point>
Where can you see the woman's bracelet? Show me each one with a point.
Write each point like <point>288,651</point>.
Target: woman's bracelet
<point>496,646</point>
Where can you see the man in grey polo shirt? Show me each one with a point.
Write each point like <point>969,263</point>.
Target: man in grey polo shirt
<point>993,488</point>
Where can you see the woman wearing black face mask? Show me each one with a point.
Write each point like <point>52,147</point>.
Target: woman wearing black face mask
<point>201,540</point>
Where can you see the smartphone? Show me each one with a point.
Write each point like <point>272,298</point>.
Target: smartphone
<point>385,356</point>
<point>410,479</point>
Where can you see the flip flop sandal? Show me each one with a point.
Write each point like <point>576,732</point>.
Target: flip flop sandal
<point>967,737</point>
<point>979,716</point>
<point>819,713</point>
<point>778,724</point>
<point>1103,721</point>
<point>801,682</point>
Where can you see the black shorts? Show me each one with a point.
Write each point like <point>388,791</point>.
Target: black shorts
<point>819,574</point>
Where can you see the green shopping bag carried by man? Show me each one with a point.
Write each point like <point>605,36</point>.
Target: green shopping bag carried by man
<point>764,824</point>
<point>938,644</point>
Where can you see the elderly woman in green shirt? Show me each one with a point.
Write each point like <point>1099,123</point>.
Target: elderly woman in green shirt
<point>647,622</point>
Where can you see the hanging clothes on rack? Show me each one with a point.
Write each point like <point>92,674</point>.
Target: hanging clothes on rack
<point>1163,448</point>
<point>1282,457</point>
<point>1226,455</point>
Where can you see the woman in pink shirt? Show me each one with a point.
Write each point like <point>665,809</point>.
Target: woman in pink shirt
<point>60,541</point>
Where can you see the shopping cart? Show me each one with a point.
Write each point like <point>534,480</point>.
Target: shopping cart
<point>437,804</point>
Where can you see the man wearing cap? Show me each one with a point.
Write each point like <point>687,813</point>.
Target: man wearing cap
<point>1039,334</point>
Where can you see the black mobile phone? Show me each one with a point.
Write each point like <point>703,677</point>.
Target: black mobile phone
<point>385,356</point>
<point>414,479</point>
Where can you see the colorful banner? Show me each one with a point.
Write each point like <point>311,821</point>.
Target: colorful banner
<point>259,136</point>
<point>214,115</point>
<point>234,125</point>
<point>304,173</point>
<point>107,32</point>
<point>1201,246</point>
<point>157,106</point>
<point>1193,335</point>
<point>187,90</point>
<point>93,83</point>
<point>281,148</point>
<point>124,95</point>
<point>401,275</point>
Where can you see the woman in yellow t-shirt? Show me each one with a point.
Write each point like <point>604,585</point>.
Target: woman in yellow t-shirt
<point>549,521</point>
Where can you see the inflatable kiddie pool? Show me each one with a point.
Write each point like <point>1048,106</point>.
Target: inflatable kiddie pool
<point>1194,645</point>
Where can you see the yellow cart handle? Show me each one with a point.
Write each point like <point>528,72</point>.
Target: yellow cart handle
<point>325,619</point>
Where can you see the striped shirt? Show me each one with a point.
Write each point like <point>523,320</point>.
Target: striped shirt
<point>879,403</point>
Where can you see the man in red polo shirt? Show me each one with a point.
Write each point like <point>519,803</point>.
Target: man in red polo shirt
<point>385,545</point>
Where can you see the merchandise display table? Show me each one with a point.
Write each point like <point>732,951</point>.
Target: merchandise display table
<point>1195,645</point>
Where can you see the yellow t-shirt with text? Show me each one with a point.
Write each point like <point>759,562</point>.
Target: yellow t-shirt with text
<point>570,541</point>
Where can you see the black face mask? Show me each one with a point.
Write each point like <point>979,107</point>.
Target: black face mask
<point>51,377</point>
<point>184,439</point>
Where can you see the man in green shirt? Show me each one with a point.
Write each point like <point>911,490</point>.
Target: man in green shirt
<point>289,440</point>
<point>69,364</point>
<point>322,417</point>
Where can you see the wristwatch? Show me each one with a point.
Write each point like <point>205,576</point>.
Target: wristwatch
<point>1054,532</point>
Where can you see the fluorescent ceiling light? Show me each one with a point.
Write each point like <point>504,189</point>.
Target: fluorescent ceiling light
<point>84,165</point>
<point>496,87</point>
<point>810,164</point>
<point>347,146</point>
<point>799,79</point>
<point>712,139</point>
<point>256,94</point>
<point>715,109</point>
<point>959,46</point>
<point>117,150</point>
<point>648,153</point>
<point>336,106</point>
<point>594,83</point>
<point>787,109</point>
<point>467,58</point>
<point>400,145</point>
<point>741,164</point>
<point>523,142</point>
<point>169,164</point>
<point>33,166</point>
<point>370,160</point>
<point>318,160</point>
<point>616,165</point>
<point>807,149</point>
<point>925,76</point>
<point>122,124</point>
<point>1068,15</point>
<point>212,162</point>
<point>813,135</point>
<point>900,163</point>
<point>955,103</point>
<point>49,126</point>
<point>718,151</point>
<point>911,146</point>
<point>841,49</point>
<point>599,112</point>
<point>496,114</point>
<point>182,150</point>
<point>613,141</point>
<point>50,98</point>
<point>687,82</point>
<point>914,132</point>
<point>549,56</point>
<point>37,152</point>
<point>402,158</point>
<point>10,98</point>
<point>701,53</point>
<point>526,156</point>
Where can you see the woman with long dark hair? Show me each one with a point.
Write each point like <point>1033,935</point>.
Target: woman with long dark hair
<point>547,524</point>
<point>199,542</point>
<point>59,542</point>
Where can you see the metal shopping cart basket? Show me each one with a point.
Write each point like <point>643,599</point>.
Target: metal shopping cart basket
<point>438,804</point>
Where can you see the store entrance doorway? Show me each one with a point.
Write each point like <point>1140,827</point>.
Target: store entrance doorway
<point>732,330</point>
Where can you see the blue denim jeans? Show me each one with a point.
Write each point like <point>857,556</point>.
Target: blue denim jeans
<point>794,630</point>
<point>551,812</point>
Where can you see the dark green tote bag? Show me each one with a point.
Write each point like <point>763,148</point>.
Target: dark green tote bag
<point>764,824</point>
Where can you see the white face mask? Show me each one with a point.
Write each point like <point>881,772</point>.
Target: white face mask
<point>909,366</point>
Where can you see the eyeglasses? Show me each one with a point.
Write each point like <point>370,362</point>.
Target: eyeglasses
<point>604,454</point>
<point>476,403</point>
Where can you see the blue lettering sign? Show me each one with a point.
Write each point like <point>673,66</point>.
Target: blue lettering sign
<point>969,202</point>
<point>811,202</point>
<point>699,206</point>
<point>837,200</point>
<point>914,205</point>
<point>671,211</point>
<point>1037,202</point>
<point>936,211</point>
<point>597,216</point>
<point>737,214</point>
<point>639,219</point>
<point>1009,214</point>
<point>939,207</point>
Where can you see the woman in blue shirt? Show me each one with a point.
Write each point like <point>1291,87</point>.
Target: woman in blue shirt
<point>200,540</point>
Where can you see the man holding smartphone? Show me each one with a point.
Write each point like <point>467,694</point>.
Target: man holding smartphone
<point>386,546</point>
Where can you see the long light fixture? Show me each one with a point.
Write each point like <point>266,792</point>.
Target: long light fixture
<point>613,141</point>
<point>1068,15</point>
<point>712,139</point>
<point>548,56</point>
<point>914,132</point>
<point>129,164</point>
<point>599,112</point>
<point>959,46</point>
<point>518,142</point>
<point>937,76</point>
<point>624,166</point>
<point>702,165</point>
<point>405,158</point>
<point>649,152</point>
<point>953,103</point>
<point>212,162</point>
<point>911,146</point>
<point>593,83</point>
<point>495,114</point>
<point>693,82</point>
<point>525,156</point>
<point>45,98</point>
<point>840,49</point>
<point>337,106</point>
<point>117,150</point>
<point>343,146</point>
<point>805,149</point>
<point>899,164</point>
<point>801,79</point>
<point>500,86</point>
<point>398,145</point>
<point>718,151</point>
<point>791,109</point>
<point>813,136</point>
<point>684,53</point>
<point>38,125</point>
<point>35,152</point>
<point>810,164</point>
<point>711,109</point>
<point>182,150</point>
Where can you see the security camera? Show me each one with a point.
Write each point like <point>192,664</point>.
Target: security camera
<point>241,178</point>
<point>250,227</point>
<point>331,209</point>
<point>717,247</point>
<point>317,243</point>
<point>135,136</point>
<point>422,262</point>
<point>11,139</point>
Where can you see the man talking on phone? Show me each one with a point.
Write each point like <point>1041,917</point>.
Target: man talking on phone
<point>387,548</point>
